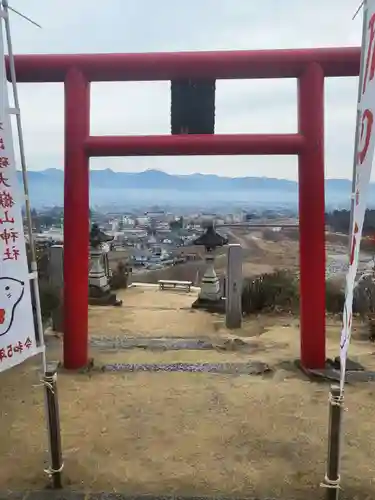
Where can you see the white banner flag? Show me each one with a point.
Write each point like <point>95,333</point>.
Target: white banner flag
<point>362,167</point>
<point>17,331</point>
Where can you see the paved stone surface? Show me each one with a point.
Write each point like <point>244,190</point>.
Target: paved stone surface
<point>334,375</point>
<point>152,344</point>
<point>12,495</point>
<point>56,495</point>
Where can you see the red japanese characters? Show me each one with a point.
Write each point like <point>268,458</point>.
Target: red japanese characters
<point>7,235</point>
<point>3,181</point>
<point>4,162</point>
<point>366,129</point>
<point>15,349</point>
<point>370,57</point>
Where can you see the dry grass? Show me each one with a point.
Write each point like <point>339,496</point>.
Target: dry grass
<point>187,434</point>
<point>151,313</point>
<point>250,269</point>
<point>190,434</point>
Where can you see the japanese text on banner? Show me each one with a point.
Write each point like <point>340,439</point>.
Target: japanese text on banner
<point>17,331</point>
<point>363,167</point>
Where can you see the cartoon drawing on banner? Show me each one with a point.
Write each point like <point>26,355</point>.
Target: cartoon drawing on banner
<point>17,328</point>
<point>11,293</point>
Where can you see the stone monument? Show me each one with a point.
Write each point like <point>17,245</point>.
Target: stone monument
<point>233,299</point>
<point>56,280</point>
<point>99,290</point>
<point>210,296</point>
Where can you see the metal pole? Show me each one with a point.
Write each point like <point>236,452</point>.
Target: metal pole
<point>49,373</point>
<point>54,434</point>
<point>332,477</point>
<point>34,268</point>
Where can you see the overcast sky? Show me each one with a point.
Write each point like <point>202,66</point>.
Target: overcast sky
<point>174,25</point>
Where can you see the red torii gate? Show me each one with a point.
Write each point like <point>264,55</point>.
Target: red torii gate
<point>78,70</point>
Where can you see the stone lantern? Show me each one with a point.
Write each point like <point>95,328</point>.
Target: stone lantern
<point>210,296</point>
<point>99,288</point>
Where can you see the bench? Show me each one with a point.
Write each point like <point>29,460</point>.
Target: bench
<point>175,284</point>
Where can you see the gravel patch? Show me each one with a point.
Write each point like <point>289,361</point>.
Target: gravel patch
<point>73,495</point>
<point>253,368</point>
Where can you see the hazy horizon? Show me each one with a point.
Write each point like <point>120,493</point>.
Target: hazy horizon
<point>129,188</point>
<point>188,174</point>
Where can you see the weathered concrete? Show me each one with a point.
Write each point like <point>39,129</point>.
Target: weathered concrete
<point>233,303</point>
<point>56,280</point>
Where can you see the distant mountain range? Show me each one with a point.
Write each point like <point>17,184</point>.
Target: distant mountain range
<point>155,179</point>
<point>153,186</point>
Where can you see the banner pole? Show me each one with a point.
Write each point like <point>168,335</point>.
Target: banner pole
<point>33,264</point>
<point>53,420</point>
<point>332,478</point>
<point>49,378</point>
<point>362,166</point>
